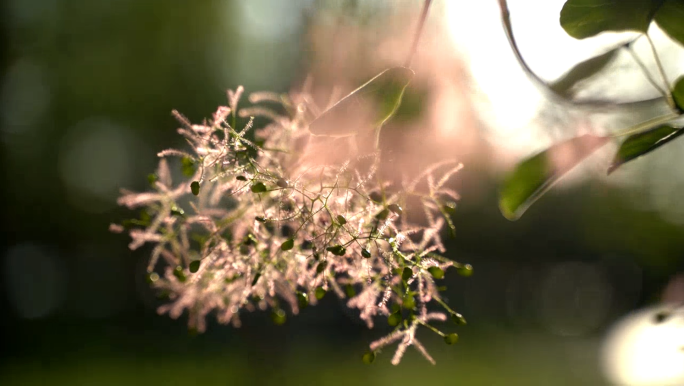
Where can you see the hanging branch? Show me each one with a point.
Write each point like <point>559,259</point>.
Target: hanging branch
<point>419,30</point>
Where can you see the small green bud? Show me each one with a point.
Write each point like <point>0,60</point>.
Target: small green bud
<point>249,240</point>
<point>369,357</point>
<point>365,253</point>
<point>187,166</point>
<point>341,220</point>
<point>337,250</point>
<point>436,272</point>
<point>241,178</point>
<point>194,266</point>
<point>258,187</point>
<point>395,209</point>
<point>376,196</point>
<point>349,291</point>
<point>458,319</point>
<point>282,183</point>
<point>409,302</point>
<point>449,207</point>
<point>260,219</point>
<point>465,270</point>
<point>320,293</point>
<point>195,187</point>
<point>451,338</point>
<point>302,299</point>
<point>177,211</point>
<point>152,277</point>
<point>179,274</point>
<point>321,266</point>
<point>256,279</point>
<point>661,317</point>
<point>287,245</point>
<point>394,319</point>
<point>382,215</point>
<point>279,317</point>
<point>152,178</point>
<point>406,274</point>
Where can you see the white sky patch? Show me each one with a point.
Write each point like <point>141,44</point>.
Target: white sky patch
<point>512,100</point>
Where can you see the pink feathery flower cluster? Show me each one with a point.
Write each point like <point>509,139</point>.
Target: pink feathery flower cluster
<point>279,220</point>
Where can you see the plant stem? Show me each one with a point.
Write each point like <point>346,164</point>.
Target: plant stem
<point>419,30</point>
<point>668,96</point>
<point>646,125</point>
<point>646,73</point>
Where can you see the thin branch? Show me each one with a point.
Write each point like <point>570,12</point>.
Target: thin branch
<point>663,76</point>
<point>419,30</point>
<point>646,73</point>
<point>546,88</point>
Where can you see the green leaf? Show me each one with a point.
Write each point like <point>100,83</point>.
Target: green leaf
<point>373,103</point>
<point>639,144</point>
<point>258,187</point>
<point>565,85</point>
<point>188,166</point>
<point>287,245</point>
<point>195,187</point>
<point>194,266</point>
<point>451,338</point>
<point>241,178</point>
<point>534,176</point>
<point>678,93</point>
<point>365,253</point>
<point>670,18</point>
<point>585,18</point>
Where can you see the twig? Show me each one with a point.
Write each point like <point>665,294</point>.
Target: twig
<point>419,30</point>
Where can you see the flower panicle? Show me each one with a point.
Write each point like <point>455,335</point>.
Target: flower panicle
<point>256,222</point>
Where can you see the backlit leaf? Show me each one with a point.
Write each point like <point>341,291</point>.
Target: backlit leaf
<point>670,18</point>
<point>534,176</point>
<point>585,18</point>
<point>678,93</point>
<point>565,85</point>
<point>639,144</point>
